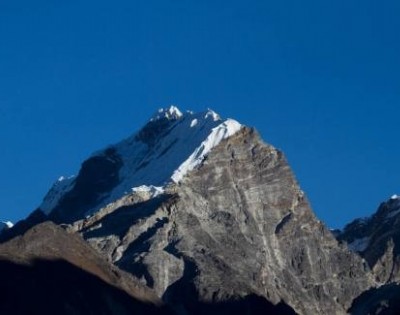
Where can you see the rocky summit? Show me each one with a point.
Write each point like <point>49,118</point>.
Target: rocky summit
<point>203,217</point>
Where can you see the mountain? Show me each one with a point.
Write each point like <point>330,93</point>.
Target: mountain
<point>205,214</point>
<point>377,239</point>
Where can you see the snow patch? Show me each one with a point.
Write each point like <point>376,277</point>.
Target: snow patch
<point>9,224</point>
<point>170,113</point>
<point>212,114</point>
<point>359,244</point>
<point>394,206</point>
<point>193,123</point>
<point>219,133</point>
<point>153,191</point>
<point>5,225</point>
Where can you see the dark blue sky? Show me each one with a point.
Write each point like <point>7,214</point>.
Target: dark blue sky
<point>319,80</point>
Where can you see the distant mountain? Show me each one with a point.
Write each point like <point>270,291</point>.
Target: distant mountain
<point>377,239</point>
<point>209,217</point>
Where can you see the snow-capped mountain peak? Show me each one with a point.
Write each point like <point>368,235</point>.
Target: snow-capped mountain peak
<point>165,150</point>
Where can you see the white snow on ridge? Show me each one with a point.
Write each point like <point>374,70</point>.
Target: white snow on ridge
<point>175,153</point>
<point>394,207</point>
<point>170,113</point>
<point>193,123</point>
<point>359,244</point>
<point>5,225</point>
<point>223,131</point>
<point>153,191</point>
<point>9,224</point>
<point>214,115</point>
<point>60,187</point>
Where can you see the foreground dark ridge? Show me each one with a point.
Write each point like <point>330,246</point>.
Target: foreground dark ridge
<point>50,271</point>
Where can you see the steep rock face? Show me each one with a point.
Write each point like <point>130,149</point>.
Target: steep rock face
<point>247,189</point>
<point>377,239</point>
<point>238,225</point>
<point>50,271</point>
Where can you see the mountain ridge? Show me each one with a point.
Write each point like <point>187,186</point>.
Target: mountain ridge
<point>169,135</point>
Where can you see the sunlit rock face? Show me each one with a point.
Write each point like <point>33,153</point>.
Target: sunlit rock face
<point>235,226</point>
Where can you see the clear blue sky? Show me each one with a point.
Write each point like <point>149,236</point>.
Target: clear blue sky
<point>319,80</point>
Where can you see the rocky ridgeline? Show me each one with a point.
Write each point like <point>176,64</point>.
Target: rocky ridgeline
<point>377,240</point>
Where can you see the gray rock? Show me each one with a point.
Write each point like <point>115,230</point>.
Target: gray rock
<point>380,235</point>
<point>236,226</point>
